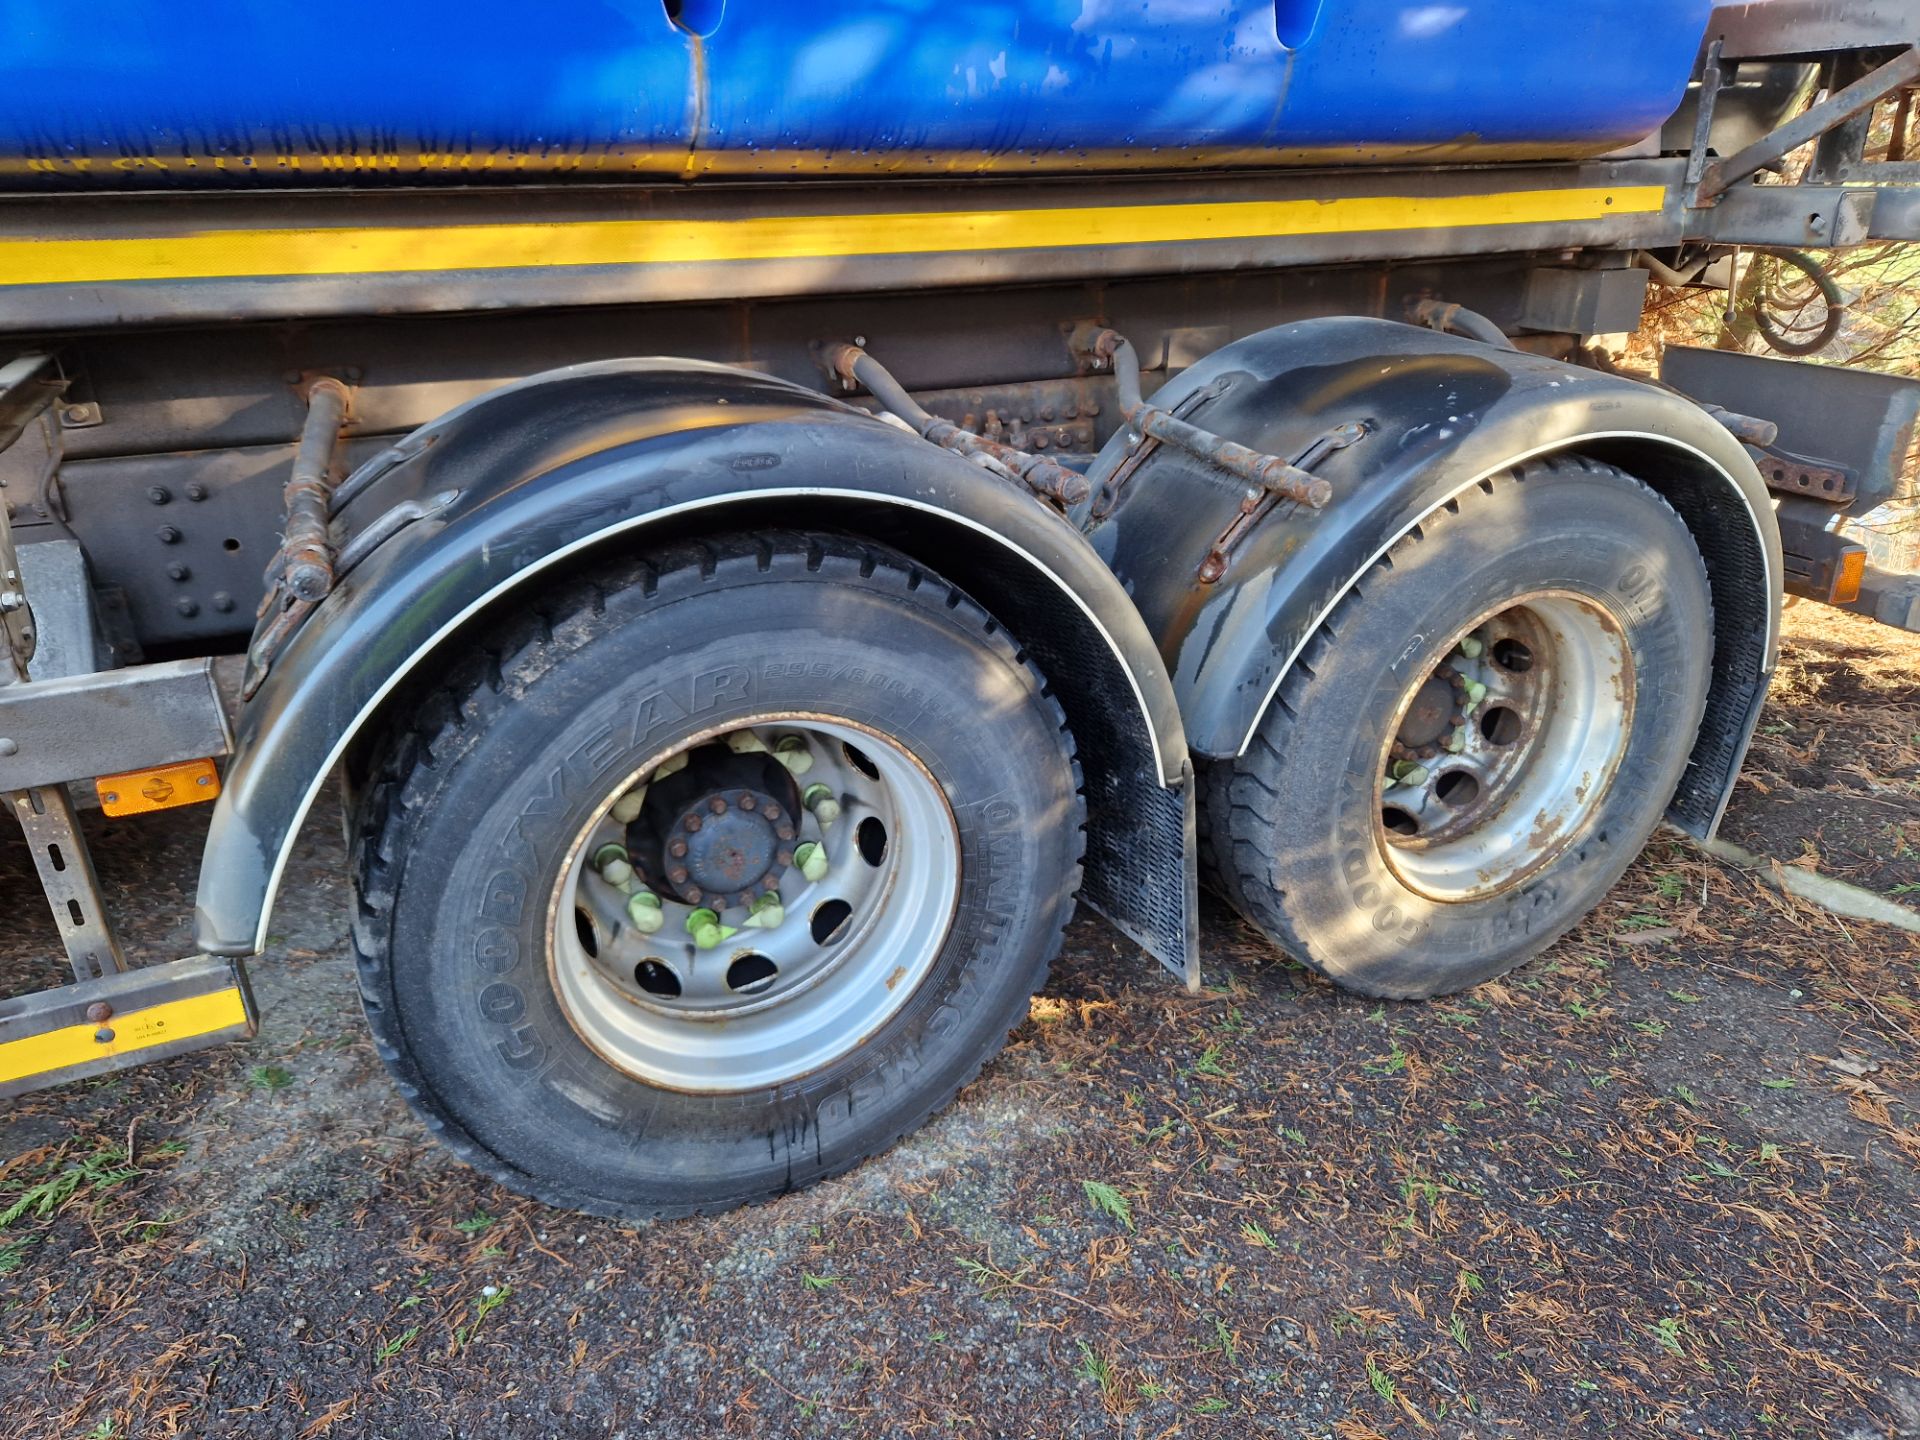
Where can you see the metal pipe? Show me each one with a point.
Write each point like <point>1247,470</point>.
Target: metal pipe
<point>1439,315</point>
<point>1270,472</point>
<point>1048,478</point>
<point>307,551</point>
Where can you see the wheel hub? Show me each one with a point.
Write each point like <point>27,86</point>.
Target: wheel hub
<point>1506,746</point>
<point>729,845</point>
<point>755,905</point>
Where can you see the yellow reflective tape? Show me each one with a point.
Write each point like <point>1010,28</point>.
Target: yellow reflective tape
<point>367,250</point>
<point>134,1031</point>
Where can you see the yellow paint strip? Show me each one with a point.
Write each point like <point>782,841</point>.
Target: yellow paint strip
<point>371,250</point>
<point>132,1032</point>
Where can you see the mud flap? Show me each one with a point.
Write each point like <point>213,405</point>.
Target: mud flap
<point>126,1019</point>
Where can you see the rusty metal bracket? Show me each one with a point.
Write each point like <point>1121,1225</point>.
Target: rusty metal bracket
<point>1260,500</point>
<point>1838,108</point>
<point>1790,474</point>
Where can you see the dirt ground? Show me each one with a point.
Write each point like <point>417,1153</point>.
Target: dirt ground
<point>1663,1181</point>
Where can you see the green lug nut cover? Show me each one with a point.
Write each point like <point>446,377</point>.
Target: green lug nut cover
<point>745,742</point>
<point>645,917</point>
<point>616,871</point>
<point>1457,741</point>
<point>1476,692</point>
<point>608,853</point>
<point>766,913</point>
<point>1471,647</point>
<point>812,860</point>
<point>820,800</point>
<point>792,752</point>
<point>627,808</point>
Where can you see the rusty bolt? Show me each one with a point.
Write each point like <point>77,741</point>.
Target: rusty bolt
<point>77,414</point>
<point>99,1012</point>
<point>784,855</point>
<point>747,802</point>
<point>785,832</point>
<point>694,895</point>
<point>693,822</point>
<point>772,812</point>
<point>718,805</point>
<point>1046,412</point>
<point>677,849</point>
<point>1040,441</point>
<point>678,874</point>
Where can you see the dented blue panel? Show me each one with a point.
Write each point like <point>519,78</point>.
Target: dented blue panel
<point>132,94</point>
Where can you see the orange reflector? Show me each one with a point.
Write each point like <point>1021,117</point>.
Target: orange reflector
<point>1847,576</point>
<point>139,792</point>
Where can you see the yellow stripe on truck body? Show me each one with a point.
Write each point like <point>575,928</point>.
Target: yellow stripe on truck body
<point>370,250</point>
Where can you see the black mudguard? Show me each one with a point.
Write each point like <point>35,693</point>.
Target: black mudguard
<point>1441,414</point>
<point>541,476</point>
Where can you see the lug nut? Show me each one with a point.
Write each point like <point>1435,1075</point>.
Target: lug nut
<point>819,799</point>
<point>718,805</point>
<point>627,808</point>
<point>766,913</point>
<point>677,849</point>
<point>692,822</point>
<point>772,812</point>
<point>678,874</point>
<point>785,832</point>
<point>196,491</point>
<point>783,856</point>
<point>707,931</point>
<point>695,894</point>
<point>812,860</point>
<point>159,494</point>
<point>746,800</point>
<point>644,912</point>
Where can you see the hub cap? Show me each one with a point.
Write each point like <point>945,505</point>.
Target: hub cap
<point>1505,748</point>
<point>754,905</point>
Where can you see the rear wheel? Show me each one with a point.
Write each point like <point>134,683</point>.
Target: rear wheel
<point>1479,739</point>
<point>726,873</point>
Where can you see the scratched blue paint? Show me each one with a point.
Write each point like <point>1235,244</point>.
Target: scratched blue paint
<point>138,94</point>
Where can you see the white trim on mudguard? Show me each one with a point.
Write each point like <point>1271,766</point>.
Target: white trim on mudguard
<point>1168,780</point>
<point>1556,447</point>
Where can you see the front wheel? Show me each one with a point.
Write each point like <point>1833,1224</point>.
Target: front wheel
<point>1478,740</point>
<point>723,874</point>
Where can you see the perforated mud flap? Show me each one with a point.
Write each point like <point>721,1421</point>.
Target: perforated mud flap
<point>73,1031</point>
<point>1143,873</point>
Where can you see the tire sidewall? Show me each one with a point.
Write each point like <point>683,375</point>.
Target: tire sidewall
<point>1598,535</point>
<point>480,1013</point>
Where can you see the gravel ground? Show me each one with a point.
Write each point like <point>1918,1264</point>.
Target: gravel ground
<point>1663,1181</point>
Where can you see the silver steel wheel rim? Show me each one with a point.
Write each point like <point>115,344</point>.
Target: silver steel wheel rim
<point>1474,800</point>
<point>849,948</point>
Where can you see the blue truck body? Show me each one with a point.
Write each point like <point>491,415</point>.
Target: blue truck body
<point>242,93</point>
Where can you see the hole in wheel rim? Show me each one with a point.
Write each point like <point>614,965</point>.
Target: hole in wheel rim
<point>1457,787</point>
<point>583,928</point>
<point>871,837</point>
<point>829,919</point>
<point>1400,822</point>
<point>750,974</point>
<point>656,979</point>
<point>1511,654</point>
<point>1500,725</point>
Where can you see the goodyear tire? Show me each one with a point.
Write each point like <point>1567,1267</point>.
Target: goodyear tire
<point>1477,741</point>
<point>720,874</point>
